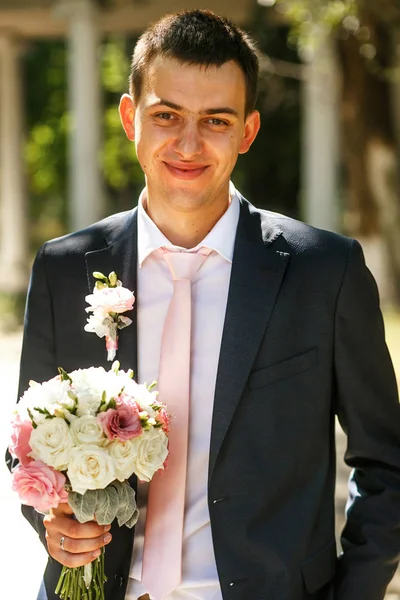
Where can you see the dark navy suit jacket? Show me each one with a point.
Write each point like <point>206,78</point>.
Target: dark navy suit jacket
<point>303,341</point>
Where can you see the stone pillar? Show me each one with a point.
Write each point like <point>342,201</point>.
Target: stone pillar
<point>14,266</point>
<point>86,199</point>
<point>320,187</point>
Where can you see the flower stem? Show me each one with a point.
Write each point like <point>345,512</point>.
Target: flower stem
<point>71,584</point>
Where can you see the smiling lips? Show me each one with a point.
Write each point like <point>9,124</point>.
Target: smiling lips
<point>186,171</point>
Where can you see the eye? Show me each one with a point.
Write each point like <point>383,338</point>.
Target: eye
<point>217,122</point>
<point>165,116</point>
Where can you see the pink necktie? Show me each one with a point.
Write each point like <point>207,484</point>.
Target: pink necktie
<point>162,555</point>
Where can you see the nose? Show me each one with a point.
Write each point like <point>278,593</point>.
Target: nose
<point>189,142</point>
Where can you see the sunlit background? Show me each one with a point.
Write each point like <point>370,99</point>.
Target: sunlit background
<point>328,153</point>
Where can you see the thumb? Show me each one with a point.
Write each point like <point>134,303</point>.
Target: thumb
<point>63,509</point>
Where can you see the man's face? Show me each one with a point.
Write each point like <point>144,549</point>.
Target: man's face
<point>189,127</point>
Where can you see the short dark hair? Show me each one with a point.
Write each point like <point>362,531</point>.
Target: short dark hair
<point>196,37</point>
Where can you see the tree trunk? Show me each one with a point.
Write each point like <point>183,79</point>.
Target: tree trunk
<point>372,211</point>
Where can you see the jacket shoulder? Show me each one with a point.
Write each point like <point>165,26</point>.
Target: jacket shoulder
<point>96,236</point>
<point>304,238</point>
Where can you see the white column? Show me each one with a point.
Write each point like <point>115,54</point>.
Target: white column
<point>14,266</point>
<point>320,156</point>
<point>86,199</point>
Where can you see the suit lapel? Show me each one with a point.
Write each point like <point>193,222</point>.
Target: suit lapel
<point>257,273</point>
<point>120,255</point>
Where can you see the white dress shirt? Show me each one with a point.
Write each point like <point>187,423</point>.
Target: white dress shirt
<point>209,298</point>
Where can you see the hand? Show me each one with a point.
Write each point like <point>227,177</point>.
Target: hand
<point>82,541</point>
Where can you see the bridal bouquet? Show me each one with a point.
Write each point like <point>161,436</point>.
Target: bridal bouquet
<point>78,438</point>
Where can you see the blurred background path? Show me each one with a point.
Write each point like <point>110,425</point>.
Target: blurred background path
<point>22,557</point>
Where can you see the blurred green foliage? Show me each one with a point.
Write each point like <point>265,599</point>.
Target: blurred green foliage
<point>45,89</point>
<point>311,19</point>
<point>121,168</point>
<point>48,127</point>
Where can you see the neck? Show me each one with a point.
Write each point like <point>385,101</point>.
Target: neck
<point>185,228</point>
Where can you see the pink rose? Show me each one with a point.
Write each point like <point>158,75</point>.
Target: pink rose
<point>39,486</point>
<point>20,436</point>
<point>121,423</point>
<point>111,300</point>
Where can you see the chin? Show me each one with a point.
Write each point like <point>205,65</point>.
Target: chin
<point>187,202</point>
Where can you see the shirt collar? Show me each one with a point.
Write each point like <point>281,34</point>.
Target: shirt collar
<point>221,238</point>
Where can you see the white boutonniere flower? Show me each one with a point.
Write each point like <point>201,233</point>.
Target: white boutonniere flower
<point>107,303</point>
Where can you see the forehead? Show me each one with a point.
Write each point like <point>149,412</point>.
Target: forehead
<point>193,86</point>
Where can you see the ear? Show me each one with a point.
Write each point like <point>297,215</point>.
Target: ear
<point>251,128</point>
<point>127,115</point>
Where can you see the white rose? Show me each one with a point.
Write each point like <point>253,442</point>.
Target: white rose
<point>123,455</point>
<point>87,430</point>
<point>149,453</point>
<point>90,468</point>
<point>51,442</point>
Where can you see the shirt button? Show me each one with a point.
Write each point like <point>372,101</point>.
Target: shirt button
<point>119,580</point>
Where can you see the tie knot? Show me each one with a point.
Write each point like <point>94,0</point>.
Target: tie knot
<point>184,265</point>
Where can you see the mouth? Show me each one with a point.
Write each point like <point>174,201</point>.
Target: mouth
<point>187,171</point>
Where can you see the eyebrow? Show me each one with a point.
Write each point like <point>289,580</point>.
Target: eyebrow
<point>209,111</point>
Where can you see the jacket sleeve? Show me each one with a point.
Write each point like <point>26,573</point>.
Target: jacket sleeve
<point>38,358</point>
<point>369,412</point>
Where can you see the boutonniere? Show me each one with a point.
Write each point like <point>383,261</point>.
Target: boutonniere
<point>107,303</point>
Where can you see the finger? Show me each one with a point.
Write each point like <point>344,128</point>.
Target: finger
<point>75,552</point>
<point>58,525</point>
<point>62,509</point>
<point>74,560</point>
<point>80,546</point>
<point>74,546</point>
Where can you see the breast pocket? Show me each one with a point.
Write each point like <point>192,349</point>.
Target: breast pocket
<point>284,369</point>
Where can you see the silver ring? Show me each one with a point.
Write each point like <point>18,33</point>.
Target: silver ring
<point>62,540</point>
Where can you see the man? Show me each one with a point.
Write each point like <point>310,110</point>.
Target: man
<point>286,333</point>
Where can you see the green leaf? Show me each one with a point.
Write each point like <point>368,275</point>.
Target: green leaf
<point>83,505</point>
<point>32,418</point>
<point>107,505</point>
<point>127,507</point>
<point>87,575</point>
<point>42,411</point>
<point>133,520</point>
<point>64,375</point>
